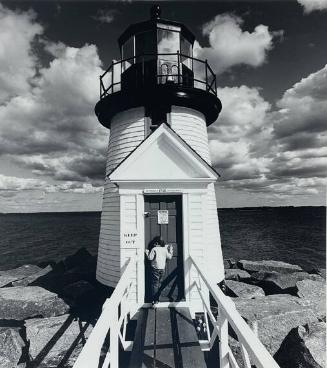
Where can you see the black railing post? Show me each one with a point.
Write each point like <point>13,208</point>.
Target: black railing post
<point>206,63</point>
<point>112,76</point>
<point>178,67</point>
<point>143,77</point>
<point>100,78</point>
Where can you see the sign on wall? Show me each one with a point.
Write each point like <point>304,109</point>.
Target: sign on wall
<point>129,239</point>
<point>163,217</point>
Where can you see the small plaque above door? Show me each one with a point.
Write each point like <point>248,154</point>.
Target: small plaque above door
<point>163,217</point>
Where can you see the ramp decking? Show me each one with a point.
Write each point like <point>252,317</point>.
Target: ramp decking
<point>166,338</point>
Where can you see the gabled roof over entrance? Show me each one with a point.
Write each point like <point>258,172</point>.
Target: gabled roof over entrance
<point>164,156</point>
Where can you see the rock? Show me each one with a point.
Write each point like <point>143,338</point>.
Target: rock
<point>277,266</point>
<point>315,292</point>
<point>81,259</point>
<point>304,347</point>
<point>281,283</point>
<point>78,290</point>
<point>30,279</point>
<point>55,341</point>
<point>237,275</point>
<point>7,277</point>
<point>229,263</point>
<point>241,289</point>
<point>20,302</point>
<point>11,347</point>
<point>319,271</point>
<point>236,350</point>
<point>56,281</point>
<point>273,316</point>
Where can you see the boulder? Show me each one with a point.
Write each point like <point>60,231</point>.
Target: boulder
<point>281,283</point>
<point>315,292</point>
<point>56,281</point>
<point>254,266</point>
<point>81,259</point>
<point>20,302</point>
<point>55,341</point>
<point>11,347</point>
<point>319,271</point>
<point>7,277</point>
<point>273,316</point>
<point>30,279</point>
<point>241,289</point>
<point>78,290</point>
<point>304,347</point>
<point>229,263</point>
<point>237,275</point>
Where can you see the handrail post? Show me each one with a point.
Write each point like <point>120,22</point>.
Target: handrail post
<point>112,76</point>
<point>178,67</point>
<point>223,340</point>
<point>100,77</point>
<point>114,342</point>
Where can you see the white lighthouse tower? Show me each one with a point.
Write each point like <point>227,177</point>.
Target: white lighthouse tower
<point>157,102</point>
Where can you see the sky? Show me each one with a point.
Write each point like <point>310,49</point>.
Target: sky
<point>268,144</point>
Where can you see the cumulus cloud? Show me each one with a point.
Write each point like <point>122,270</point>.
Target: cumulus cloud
<point>54,112</point>
<point>229,45</point>
<point>47,121</point>
<point>300,129</point>
<point>17,64</point>
<point>12,184</point>
<point>312,5</point>
<point>280,150</point>
<point>240,131</point>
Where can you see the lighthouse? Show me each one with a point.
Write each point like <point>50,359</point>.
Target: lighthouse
<point>157,102</point>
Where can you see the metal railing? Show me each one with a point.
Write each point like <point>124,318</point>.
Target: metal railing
<point>251,348</point>
<point>112,323</point>
<point>172,68</point>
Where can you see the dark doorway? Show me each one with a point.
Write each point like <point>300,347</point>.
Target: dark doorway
<point>168,226</point>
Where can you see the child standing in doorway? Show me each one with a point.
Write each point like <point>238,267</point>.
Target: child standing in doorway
<point>158,257</point>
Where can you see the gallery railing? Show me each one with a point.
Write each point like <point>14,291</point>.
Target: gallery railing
<point>153,69</point>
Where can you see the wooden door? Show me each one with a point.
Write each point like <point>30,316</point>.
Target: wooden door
<point>172,285</point>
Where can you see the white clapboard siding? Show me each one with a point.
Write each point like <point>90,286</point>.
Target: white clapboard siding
<point>196,235</point>
<point>129,224</point>
<point>127,132</point>
<point>190,125</point>
<point>214,253</point>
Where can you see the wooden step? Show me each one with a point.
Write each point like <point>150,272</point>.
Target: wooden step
<point>166,338</point>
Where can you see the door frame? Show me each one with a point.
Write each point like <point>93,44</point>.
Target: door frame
<point>139,190</point>
<point>183,258</point>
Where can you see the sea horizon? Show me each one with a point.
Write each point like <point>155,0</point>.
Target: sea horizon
<point>218,208</point>
<point>285,233</point>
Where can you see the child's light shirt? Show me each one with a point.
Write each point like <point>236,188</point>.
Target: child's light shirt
<point>158,257</point>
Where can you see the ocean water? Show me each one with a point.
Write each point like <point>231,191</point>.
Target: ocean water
<point>290,234</point>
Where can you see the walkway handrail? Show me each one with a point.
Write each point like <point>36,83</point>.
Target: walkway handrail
<point>251,346</point>
<point>114,313</point>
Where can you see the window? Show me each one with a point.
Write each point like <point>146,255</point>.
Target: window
<point>168,43</point>
<point>145,43</point>
<point>186,49</point>
<point>128,52</point>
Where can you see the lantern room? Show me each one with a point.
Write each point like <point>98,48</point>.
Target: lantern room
<point>157,70</point>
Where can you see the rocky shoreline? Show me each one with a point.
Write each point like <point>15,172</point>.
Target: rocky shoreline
<point>285,306</point>
<point>48,311</point>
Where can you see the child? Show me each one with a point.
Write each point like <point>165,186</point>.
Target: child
<point>158,256</point>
